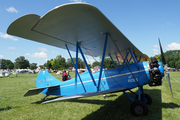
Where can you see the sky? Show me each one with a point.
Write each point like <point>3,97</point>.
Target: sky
<point>141,21</point>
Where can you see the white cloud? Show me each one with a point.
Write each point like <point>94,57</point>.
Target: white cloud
<point>55,52</point>
<point>27,54</point>
<point>43,49</point>
<point>39,55</point>
<point>156,46</point>
<point>12,9</point>
<point>12,48</point>
<point>1,56</point>
<point>170,24</point>
<point>173,46</point>
<point>6,36</point>
<point>155,52</point>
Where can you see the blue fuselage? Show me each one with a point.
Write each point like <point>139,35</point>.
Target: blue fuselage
<point>131,76</point>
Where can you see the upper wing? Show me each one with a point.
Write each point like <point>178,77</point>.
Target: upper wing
<point>70,23</point>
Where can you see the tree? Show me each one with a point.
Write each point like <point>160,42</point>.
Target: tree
<point>33,66</point>
<point>48,64</point>
<point>96,63</point>
<point>81,63</point>
<point>21,62</point>
<point>172,58</point>
<point>42,66</point>
<point>6,64</point>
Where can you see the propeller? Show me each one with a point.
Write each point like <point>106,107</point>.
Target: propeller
<point>165,67</point>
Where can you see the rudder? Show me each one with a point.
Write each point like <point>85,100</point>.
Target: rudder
<point>44,79</point>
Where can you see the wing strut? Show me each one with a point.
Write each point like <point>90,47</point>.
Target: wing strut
<point>112,60</point>
<point>124,58</point>
<point>78,47</point>
<point>132,56</point>
<point>75,66</point>
<point>102,62</point>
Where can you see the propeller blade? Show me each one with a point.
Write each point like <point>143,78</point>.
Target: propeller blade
<point>162,54</point>
<point>168,78</point>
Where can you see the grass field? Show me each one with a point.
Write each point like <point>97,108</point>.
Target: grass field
<point>13,106</point>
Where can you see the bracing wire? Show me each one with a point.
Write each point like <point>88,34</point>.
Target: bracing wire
<point>99,66</point>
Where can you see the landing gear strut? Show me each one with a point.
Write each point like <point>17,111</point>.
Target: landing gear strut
<point>44,97</point>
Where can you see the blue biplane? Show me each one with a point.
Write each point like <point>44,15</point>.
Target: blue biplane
<point>82,28</point>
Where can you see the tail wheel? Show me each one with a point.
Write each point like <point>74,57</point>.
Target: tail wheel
<point>139,108</point>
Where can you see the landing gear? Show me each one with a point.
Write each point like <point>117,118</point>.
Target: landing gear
<point>44,97</point>
<point>145,98</point>
<point>139,108</point>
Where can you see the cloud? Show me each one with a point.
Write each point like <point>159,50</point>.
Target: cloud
<point>12,48</point>
<point>170,24</point>
<point>43,49</point>
<point>39,55</point>
<point>173,46</point>
<point>167,24</point>
<point>155,51</point>
<point>77,1</point>
<point>6,36</point>
<point>1,56</point>
<point>156,46</point>
<point>55,52</point>
<point>12,9</point>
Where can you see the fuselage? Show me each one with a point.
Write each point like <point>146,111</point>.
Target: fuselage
<point>131,76</point>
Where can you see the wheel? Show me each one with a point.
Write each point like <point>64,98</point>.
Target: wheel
<point>145,98</point>
<point>139,108</point>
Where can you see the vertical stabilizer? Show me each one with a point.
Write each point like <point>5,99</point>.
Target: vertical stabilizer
<point>44,79</point>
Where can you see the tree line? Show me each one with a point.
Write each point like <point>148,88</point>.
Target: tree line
<point>172,58</point>
<point>59,63</point>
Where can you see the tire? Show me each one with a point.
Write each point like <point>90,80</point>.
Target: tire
<point>139,108</point>
<point>146,98</point>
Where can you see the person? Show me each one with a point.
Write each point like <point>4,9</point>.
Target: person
<point>96,69</point>
<point>64,76</point>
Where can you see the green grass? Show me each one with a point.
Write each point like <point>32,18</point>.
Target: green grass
<point>116,106</point>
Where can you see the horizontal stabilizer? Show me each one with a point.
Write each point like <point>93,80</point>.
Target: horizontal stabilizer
<point>87,94</point>
<point>37,90</point>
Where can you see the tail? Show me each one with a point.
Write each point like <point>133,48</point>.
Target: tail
<point>46,84</point>
<point>44,79</point>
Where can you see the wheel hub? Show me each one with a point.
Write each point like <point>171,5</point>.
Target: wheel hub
<point>139,109</point>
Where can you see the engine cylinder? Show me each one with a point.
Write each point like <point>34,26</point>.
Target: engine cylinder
<point>155,73</point>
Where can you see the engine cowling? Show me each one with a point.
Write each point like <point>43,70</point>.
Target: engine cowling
<point>155,73</point>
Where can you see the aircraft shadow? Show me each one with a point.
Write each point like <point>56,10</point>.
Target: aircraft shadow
<point>120,107</point>
<point>8,108</point>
